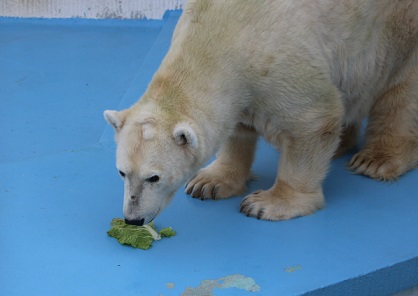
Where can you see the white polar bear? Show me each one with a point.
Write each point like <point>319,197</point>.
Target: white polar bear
<point>303,74</point>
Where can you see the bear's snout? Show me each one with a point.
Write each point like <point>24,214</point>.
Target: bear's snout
<point>138,222</point>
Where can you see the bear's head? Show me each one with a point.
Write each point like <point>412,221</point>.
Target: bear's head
<point>154,159</point>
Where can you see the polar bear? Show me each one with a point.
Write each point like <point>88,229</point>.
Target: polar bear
<point>302,74</point>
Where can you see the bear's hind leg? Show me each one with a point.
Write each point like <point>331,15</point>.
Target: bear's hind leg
<point>392,134</point>
<point>228,174</point>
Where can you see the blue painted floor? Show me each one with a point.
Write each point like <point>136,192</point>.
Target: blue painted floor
<point>59,189</point>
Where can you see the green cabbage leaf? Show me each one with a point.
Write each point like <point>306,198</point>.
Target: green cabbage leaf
<point>140,237</point>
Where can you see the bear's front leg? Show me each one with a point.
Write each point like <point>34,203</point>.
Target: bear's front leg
<point>304,161</point>
<point>228,174</point>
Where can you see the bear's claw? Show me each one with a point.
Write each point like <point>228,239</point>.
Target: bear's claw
<point>208,185</point>
<point>273,205</point>
<point>377,166</point>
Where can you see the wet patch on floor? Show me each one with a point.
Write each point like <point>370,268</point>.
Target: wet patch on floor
<point>238,281</point>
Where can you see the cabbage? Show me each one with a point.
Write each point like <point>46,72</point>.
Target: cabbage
<point>140,237</point>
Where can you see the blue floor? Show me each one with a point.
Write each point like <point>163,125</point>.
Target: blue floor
<point>59,189</point>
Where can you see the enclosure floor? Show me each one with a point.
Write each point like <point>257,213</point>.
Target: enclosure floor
<point>59,189</point>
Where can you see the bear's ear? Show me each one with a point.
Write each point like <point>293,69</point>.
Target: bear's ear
<point>185,135</point>
<point>115,119</point>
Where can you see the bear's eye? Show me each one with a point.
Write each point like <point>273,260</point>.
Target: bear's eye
<point>122,174</point>
<point>153,179</point>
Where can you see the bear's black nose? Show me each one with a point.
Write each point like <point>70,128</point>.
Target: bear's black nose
<point>135,222</point>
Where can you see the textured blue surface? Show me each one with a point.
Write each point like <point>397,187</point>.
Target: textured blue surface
<point>59,188</point>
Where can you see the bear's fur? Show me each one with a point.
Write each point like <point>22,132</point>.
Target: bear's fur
<point>302,74</point>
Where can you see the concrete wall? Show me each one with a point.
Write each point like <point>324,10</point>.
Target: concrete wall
<point>93,9</point>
